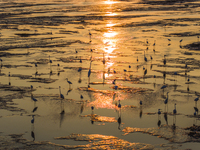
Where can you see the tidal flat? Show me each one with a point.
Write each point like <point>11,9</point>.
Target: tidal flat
<point>103,74</point>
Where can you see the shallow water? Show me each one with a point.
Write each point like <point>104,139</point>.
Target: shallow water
<point>36,32</point>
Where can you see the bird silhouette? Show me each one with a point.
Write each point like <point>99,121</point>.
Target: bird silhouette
<point>33,119</point>
<point>119,105</point>
<point>69,82</point>
<point>61,95</point>
<point>50,61</point>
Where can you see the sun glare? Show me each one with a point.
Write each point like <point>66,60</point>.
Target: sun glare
<point>110,2</point>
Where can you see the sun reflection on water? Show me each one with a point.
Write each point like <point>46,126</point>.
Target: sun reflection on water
<point>110,2</point>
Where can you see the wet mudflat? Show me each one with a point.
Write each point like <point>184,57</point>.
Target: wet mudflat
<point>99,74</point>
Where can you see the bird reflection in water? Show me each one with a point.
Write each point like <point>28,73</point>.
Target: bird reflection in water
<point>140,109</point>
<point>159,121</point>
<point>61,117</point>
<point>164,77</point>
<point>119,115</point>
<point>119,119</point>
<point>195,115</point>
<point>32,127</point>
<point>166,117</point>
<point>61,103</point>
<point>154,84</point>
<point>9,83</point>
<point>103,77</point>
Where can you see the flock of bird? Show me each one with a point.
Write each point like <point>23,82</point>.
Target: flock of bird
<point>114,83</point>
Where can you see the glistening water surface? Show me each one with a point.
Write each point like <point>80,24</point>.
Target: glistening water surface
<point>116,63</point>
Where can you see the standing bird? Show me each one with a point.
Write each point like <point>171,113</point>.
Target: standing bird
<point>89,72</point>
<point>145,72</point>
<point>58,69</point>
<point>154,44</point>
<point>196,99</point>
<point>119,105</point>
<point>69,82</point>
<point>104,61</point>
<point>180,41</point>
<point>34,99</point>
<point>9,78</point>
<point>140,103</point>
<point>61,95</point>
<point>147,42</point>
<point>33,119</point>
<point>31,91</point>
<point>90,35</point>
<point>169,42</point>
<point>159,112</point>
<point>145,59</point>
<point>129,67</point>
<point>1,62</point>
<point>36,72</point>
<point>159,122</point>
<point>164,61</point>
<point>174,111</point>
<point>50,61</point>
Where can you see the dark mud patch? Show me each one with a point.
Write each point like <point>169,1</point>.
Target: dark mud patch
<point>67,32</point>
<point>35,79</point>
<point>43,80</point>
<point>121,88</point>
<point>16,88</point>
<point>194,46</point>
<point>15,66</point>
<point>6,54</point>
<point>54,51</point>
<point>184,34</point>
<point>26,34</point>
<point>161,2</point>
<point>194,132</point>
